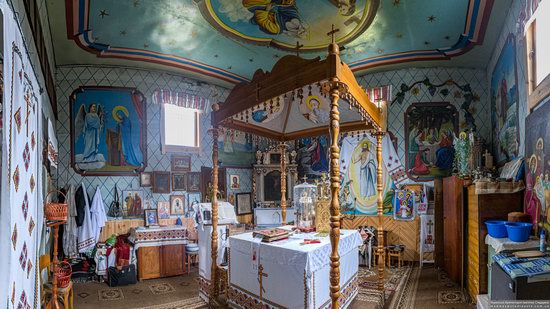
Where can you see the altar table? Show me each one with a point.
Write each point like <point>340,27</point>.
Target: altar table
<point>286,274</point>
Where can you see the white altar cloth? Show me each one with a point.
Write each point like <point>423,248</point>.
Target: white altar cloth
<point>296,276</point>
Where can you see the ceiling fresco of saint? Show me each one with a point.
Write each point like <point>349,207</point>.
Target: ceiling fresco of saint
<point>229,39</point>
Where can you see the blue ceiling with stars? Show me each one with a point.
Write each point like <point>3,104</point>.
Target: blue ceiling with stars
<point>229,40</point>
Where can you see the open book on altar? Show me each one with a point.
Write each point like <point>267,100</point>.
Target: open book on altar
<point>269,235</point>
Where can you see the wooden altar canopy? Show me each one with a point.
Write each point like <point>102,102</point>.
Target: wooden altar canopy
<point>303,98</point>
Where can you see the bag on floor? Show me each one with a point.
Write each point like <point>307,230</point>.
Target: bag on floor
<point>124,275</point>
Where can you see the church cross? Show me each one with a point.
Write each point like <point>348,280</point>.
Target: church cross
<point>29,105</point>
<point>332,33</point>
<point>298,46</point>
<point>261,276</point>
<point>430,224</point>
<point>258,87</point>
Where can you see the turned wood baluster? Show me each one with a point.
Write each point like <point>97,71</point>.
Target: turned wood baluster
<point>282,148</point>
<point>380,210</point>
<point>214,245</point>
<point>334,132</point>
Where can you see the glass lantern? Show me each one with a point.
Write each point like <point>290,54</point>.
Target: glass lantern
<point>305,198</point>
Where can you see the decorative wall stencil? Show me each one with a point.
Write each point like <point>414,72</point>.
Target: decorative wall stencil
<point>505,104</point>
<point>429,133</point>
<point>108,131</point>
<point>463,91</point>
<point>537,167</point>
<point>358,173</point>
<point>235,149</point>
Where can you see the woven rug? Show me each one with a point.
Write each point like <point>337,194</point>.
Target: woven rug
<point>191,303</point>
<point>370,297</point>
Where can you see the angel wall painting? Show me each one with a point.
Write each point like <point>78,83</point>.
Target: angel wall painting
<point>108,133</point>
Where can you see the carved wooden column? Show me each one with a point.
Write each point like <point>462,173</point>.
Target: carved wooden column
<point>380,209</point>
<point>334,131</point>
<point>282,148</point>
<point>214,245</point>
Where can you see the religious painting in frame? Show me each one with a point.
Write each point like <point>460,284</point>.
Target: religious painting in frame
<point>206,183</point>
<point>235,182</point>
<point>430,129</point>
<point>193,182</point>
<point>504,104</point>
<point>177,205</point>
<point>243,203</point>
<point>151,217</point>
<point>133,203</point>
<point>161,182</point>
<point>163,209</point>
<point>537,164</point>
<point>181,163</point>
<point>146,179</point>
<point>108,131</point>
<point>235,149</point>
<point>179,182</point>
<point>420,201</point>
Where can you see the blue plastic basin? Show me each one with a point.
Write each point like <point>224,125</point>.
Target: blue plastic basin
<point>518,231</point>
<point>497,228</point>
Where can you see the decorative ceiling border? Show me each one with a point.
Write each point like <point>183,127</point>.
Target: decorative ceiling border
<point>77,15</point>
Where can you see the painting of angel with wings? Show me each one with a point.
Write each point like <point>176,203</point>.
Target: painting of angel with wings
<point>108,134</point>
<point>89,124</point>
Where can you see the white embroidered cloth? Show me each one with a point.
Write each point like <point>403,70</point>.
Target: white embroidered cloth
<point>158,236</point>
<point>310,257</point>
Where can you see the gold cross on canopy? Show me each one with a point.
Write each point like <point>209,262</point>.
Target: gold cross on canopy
<point>261,276</point>
<point>298,46</point>
<point>332,33</point>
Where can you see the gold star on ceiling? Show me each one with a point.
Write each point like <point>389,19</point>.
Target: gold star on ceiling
<point>136,3</point>
<point>431,18</point>
<point>103,13</point>
<point>399,35</point>
<point>123,32</point>
<point>396,2</point>
<point>145,45</point>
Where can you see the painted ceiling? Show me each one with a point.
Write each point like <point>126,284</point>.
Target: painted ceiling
<point>229,40</point>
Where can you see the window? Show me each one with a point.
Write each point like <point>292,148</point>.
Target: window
<point>538,49</point>
<point>179,129</point>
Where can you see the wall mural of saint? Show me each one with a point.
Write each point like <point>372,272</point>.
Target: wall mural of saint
<point>280,23</point>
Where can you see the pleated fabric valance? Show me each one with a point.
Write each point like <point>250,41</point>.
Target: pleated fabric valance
<point>183,99</point>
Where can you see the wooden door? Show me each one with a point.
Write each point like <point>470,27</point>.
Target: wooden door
<point>172,260</point>
<point>452,227</point>
<point>148,262</point>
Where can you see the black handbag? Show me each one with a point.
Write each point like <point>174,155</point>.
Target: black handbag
<point>114,209</point>
<point>124,276</point>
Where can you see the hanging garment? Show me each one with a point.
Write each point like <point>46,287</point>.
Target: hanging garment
<point>81,200</point>
<point>98,214</point>
<point>86,235</point>
<point>70,235</point>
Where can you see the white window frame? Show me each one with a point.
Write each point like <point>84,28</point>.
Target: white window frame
<point>537,92</point>
<point>177,148</point>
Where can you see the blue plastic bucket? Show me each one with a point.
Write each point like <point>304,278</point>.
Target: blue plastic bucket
<point>497,228</point>
<point>518,231</point>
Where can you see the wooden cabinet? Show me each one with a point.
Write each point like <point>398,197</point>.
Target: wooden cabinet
<point>439,254</point>
<point>481,208</point>
<point>161,261</point>
<point>453,231</point>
